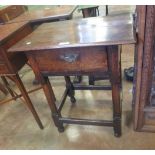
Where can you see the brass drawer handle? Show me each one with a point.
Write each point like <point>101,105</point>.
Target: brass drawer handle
<point>69,57</point>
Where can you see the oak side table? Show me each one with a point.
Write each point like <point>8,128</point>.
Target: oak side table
<point>79,47</point>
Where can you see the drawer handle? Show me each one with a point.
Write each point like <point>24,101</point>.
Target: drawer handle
<point>69,57</point>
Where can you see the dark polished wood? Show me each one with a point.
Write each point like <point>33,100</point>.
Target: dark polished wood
<point>95,31</point>
<point>78,47</point>
<point>56,64</point>
<point>46,14</point>
<point>8,13</point>
<point>11,63</point>
<point>90,12</point>
<point>115,79</point>
<point>107,10</point>
<point>12,33</point>
<point>10,29</point>
<point>87,11</point>
<point>144,115</point>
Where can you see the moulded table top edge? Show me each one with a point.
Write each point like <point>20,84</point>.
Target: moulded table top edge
<point>14,49</point>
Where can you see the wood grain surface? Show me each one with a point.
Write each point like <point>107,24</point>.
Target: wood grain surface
<point>59,12</point>
<point>113,30</point>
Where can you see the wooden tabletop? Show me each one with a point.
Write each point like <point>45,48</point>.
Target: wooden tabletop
<point>109,30</point>
<point>9,29</point>
<point>45,13</point>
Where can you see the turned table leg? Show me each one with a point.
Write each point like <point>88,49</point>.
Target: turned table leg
<point>51,101</point>
<point>91,80</point>
<point>70,87</point>
<point>77,79</point>
<point>48,91</point>
<point>113,58</point>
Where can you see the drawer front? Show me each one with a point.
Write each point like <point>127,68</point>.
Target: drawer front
<point>58,62</point>
<point>93,60</point>
<point>72,61</point>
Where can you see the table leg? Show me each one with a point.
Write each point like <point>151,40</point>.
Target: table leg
<point>85,13</point>
<point>91,80</point>
<point>106,10</point>
<point>48,91</point>
<point>3,89</point>
<point>77,79</point>
<point>90,12</point>
<point>113,58</point>
<point>27,99</point>
<point>70,87</point>
<point>51,100</point>
<point>7,86</point>
<point>35,81</point>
